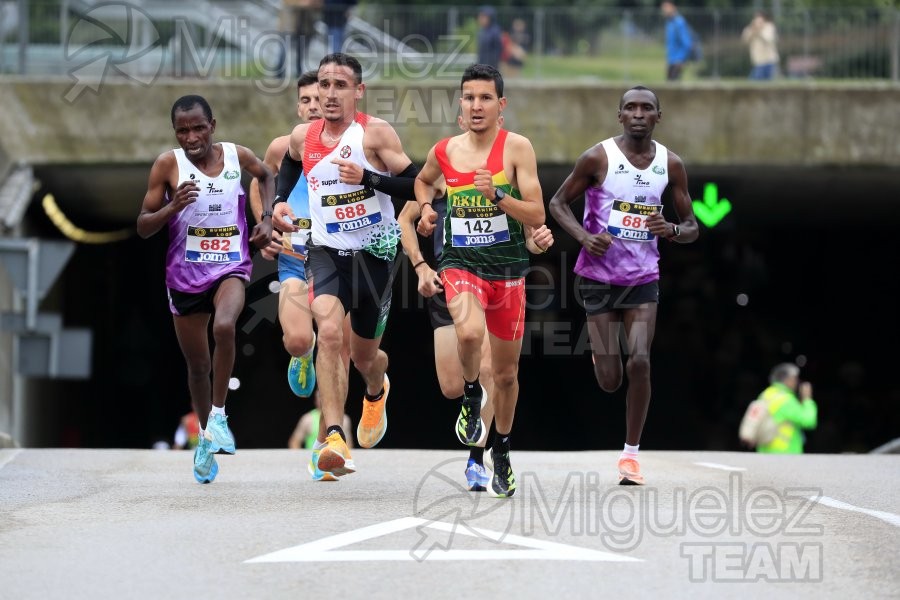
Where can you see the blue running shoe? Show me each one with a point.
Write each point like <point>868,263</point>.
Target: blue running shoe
<point>302,373</point>
<point>315,472</point>
<point>219,435</point>
<point>476,477</point>
<point>205,466</point>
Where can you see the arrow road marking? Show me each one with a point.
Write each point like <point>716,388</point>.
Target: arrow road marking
<point>326,549</point>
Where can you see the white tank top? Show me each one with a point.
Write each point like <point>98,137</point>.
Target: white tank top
<point>345,216</point>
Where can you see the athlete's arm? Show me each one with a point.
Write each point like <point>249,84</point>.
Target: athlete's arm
<point>288,176</point>
<point>154,213</point>
<point>272,159</point>
<point>677,190</point>
<point>262,231</point>
<point>590,169</point>
<point>382,140</point>
<point>538,240</point>
<point>429,284</point>
<point>530,210</point>
<point>424,188</point>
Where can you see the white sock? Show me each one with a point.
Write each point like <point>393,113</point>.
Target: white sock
<point>218,410</point>
<point>319,445</point>
<point>630,451</point>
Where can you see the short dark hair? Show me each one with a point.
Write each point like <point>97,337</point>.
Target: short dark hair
<point>344,60</point>
<point>780,373</point>
<point>481,72</point>
<point>186,103</point>
<point>639,88</point>
<point>308,78</point>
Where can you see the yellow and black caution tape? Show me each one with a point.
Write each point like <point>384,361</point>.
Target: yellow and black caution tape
<point>77,234</point>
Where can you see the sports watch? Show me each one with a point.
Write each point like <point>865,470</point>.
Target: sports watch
<point>499,195</point>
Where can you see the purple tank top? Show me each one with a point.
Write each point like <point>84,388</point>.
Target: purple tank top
<point>620,206</point>
<point>208,239</point>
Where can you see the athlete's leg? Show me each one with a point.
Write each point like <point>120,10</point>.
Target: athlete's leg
<point>229,302</point>
<point>505,362</point>
<point>331,374</point>
<point>446,362</point>
<point>487,381</point>
<point>295,316</point>
<point>640,324</point>
<point>603,330</point>
<point>191,331</point>
<point>469,323</point>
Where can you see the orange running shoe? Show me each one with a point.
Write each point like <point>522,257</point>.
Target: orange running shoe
<point>630,472</point>
<point>373,424</point>
<point>335,457</point>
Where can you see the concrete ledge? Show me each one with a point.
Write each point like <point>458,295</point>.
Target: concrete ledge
<point>708,123</point>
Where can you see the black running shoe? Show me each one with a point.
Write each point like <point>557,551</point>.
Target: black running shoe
<point>469,426</point>
<point>503,480</point>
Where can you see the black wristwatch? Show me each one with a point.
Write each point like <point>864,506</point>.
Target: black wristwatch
<point>499,195</point>
<point>676,231</point>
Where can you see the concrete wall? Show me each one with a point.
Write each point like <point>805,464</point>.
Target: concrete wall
<point>802,124</point>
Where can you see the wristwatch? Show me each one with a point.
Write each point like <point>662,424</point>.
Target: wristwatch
<point>266,213</point>
<point>499,195</point>
<point>676,231</point>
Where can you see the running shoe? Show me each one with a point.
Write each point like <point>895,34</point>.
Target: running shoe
<point>205,466</point>
<point>476,477</point>
<point>335,457</point>
<point>219,435</point>
<point>373,424</point>
<point>470,427</point>
<point>503,481</point>
<point>630,472</point>
<point>316,473</point>
<point>302,373</point>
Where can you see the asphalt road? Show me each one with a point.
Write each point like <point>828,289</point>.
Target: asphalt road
<point>134,524</point>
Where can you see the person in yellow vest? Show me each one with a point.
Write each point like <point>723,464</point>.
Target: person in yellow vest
<point>792,415</point>
<point>307,429</point>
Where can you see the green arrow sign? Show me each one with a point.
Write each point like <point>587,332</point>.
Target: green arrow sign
<point>712,209</point>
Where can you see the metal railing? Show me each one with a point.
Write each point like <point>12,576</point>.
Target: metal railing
<point>225,39</point>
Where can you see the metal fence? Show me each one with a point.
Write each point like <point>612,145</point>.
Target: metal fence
<point>248,39</point>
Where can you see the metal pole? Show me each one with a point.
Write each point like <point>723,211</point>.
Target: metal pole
<point>23,36</point>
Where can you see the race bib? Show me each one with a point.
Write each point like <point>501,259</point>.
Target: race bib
<point>476,226</point>
<point>295,241</point>
<point>628,221</point>
<point>213,244</point>
<point>350,211</point>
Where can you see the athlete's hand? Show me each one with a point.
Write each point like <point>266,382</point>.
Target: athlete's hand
<point>262,234</point>
<point>428,221</point>
<point>272,251</point>
<point>349,172</point>
<point>805,390</point>
<point>658,226</point>
<point>185,194</point>
<point>429,282</point>
<point>597,243</point>
<point>484,182</point>
<point>283,218</point>
<point>542,237</point>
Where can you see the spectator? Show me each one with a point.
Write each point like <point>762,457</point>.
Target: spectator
<point>790,414</point>
<point>515,48</point>
<point>762,38</point>
<point>490,38</point>
<point>679,41</point>
<point>336,13</point>
<point>297,21</point>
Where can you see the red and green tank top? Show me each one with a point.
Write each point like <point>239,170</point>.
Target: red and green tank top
<point>478,236</point>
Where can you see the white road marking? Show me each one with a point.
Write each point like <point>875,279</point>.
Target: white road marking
<point>712,465</point>
<point>885,516</point>
<point>7,456</point>
<point>326,549</point>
